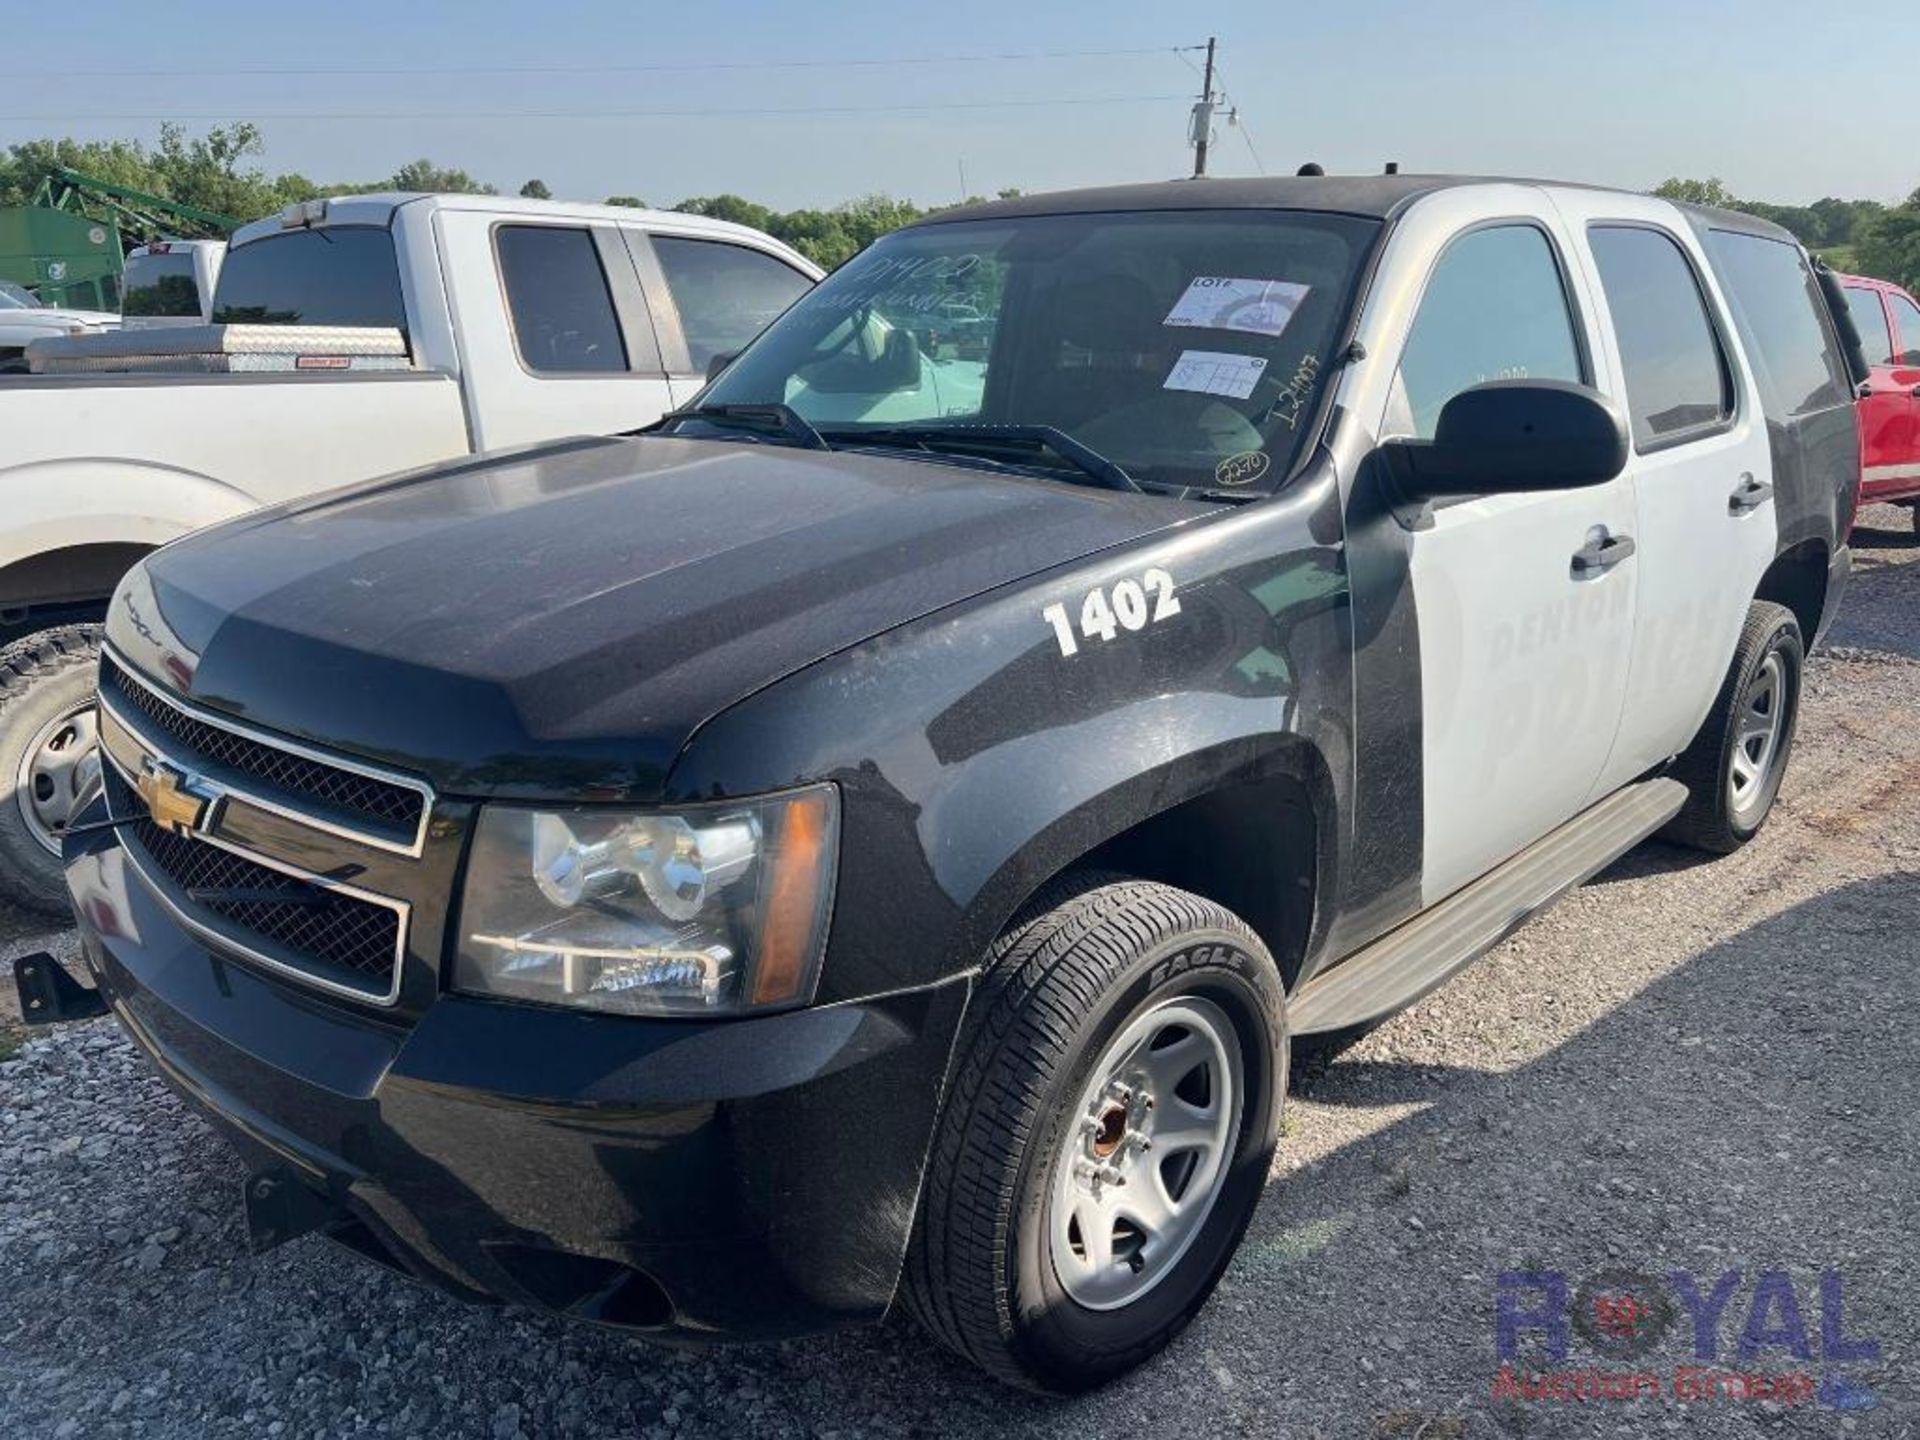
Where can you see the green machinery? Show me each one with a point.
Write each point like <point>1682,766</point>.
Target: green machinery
<point>69,244</point>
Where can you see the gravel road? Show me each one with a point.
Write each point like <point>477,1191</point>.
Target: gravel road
<point>1708,1067</point>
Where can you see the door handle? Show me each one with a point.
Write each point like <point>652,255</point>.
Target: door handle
<point>1748,495</point>
<point>1602,553</point>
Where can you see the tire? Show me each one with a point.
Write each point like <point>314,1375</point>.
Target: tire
<point>46,694</point>
<point>1719,816</point>
<point>992,1271</point>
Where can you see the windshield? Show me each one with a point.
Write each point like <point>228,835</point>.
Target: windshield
<point>335,275</point>
<point>17,297</point>
<point>1187,347</point>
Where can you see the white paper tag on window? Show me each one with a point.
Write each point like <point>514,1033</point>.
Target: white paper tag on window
<point>1213,373</point>
<point>1220,302</point>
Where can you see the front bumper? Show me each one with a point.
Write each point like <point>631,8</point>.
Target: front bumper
<point>750,1178</point>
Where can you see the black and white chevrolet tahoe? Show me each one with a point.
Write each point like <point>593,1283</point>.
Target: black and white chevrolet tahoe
<point>874,839</point>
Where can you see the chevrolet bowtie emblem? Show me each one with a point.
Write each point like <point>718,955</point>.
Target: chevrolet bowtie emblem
<point>174,806</point>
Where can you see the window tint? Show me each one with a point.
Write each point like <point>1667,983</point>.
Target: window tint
<point>1871,321</point>
<point>1906,315</point>
<point>161,284</point>
<point>335,275</point>
<point>563,318</point>
<point>1495,309</point>
<point>1776,307</point>
<point>726,294</point>
<point>1676,379</point>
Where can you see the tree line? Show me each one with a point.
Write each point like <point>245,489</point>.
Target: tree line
<point>1861,236</point>
<point>215,171</point>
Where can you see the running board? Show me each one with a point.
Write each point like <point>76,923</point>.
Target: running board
<point>1406,963</point>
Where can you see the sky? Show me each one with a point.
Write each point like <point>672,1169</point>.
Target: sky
<point>667,101</point>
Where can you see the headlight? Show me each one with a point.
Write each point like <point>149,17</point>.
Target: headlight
<point>704,910</point>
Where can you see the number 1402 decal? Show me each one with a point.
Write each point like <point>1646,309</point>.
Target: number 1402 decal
<point>1129,605</point>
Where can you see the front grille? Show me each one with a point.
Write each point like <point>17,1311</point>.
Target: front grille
<point>392,809</point>
<point>326,933</point>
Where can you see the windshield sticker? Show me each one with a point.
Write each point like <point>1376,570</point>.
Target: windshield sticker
<point>1242,469</point>
<point>1219,302</point>
<point>1212,372</point>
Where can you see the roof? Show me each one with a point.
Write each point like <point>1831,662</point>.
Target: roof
<point>378,209</point>
<point>1375,196</point>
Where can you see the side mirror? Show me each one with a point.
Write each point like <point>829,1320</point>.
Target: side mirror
<point>1511,436</point>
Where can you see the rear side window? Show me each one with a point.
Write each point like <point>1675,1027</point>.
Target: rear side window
<point>726,294</point>
<point>160,285</point>
<point>1677,381</point>
<point>563,316</point>
<point>1871,321</point>
<point>1495,309</point>
<point>1906,315</point>
<point>334,275</point>
<point>1776,308</point>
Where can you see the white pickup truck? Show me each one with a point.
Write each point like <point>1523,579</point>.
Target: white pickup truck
<point>519,322</point>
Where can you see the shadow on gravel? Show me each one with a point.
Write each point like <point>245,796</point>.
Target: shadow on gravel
<point>1757,1109</point>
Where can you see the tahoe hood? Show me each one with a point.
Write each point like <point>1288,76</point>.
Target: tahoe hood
<point>560,621</point>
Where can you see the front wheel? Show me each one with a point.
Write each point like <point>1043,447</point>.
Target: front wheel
<point>1733,769</point>
<point>1111,1119</point>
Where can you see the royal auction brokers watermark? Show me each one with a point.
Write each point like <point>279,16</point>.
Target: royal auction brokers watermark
<point>1730,1338</point>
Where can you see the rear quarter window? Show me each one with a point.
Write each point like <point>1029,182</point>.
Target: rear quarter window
<point>1776,309</point>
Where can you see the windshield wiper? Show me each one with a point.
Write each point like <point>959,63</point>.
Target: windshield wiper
<point>754,417</point>
<point>1097,467</point>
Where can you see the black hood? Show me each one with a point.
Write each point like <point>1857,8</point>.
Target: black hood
<point>561,621</point>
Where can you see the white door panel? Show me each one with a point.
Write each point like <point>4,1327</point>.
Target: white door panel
<point>1522,667</point>
<point>512,403</point>
<point>1700,558</point>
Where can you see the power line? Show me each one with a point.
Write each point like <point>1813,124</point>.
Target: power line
<point>600,69</point>
<point>1236,120</point>
<point>602,114</point>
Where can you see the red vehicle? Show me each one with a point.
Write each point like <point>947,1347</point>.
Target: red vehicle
<point>1888,319</point>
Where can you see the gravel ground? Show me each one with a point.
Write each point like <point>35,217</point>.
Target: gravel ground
<point>1686,1065</point>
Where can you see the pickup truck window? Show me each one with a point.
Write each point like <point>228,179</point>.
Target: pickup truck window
<point>1677,380</point>
<point>1776,308</point>
<point>1187,347</point>
<point>160,285</point>
<point>726,294</point>
<point>563,317</point>
<point>1871,321</point>
<point>1907,316</point>
<point>1495,309</point>
<point>332,275</point>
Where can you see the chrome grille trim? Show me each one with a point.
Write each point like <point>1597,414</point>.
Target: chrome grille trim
<point>158,887</point>
<point>252,796</point>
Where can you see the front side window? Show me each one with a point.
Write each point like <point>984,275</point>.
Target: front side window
<point>331,275</point>
<point>726,294</point>
<point>1677,380</point>
<point>563,317</point>
<point>1187,347</point>
<point>1906,315</point>
<point>1495,308</point>
<point>1870,319</point>
<point>1776,308</point>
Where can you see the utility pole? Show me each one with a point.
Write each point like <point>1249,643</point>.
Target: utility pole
<point>1202,124</point>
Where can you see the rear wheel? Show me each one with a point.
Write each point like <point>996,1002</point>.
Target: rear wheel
<point>49,756</point>
<point>1107,1134</point>
<point>1734,767</point>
